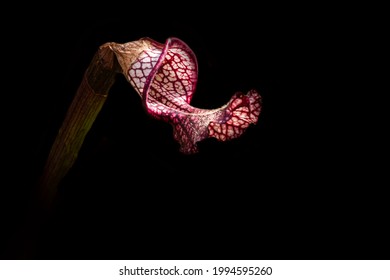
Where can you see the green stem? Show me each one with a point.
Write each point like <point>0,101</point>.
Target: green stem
<point>86,105</point>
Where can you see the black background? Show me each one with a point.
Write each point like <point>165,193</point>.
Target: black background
<point>291,187</point>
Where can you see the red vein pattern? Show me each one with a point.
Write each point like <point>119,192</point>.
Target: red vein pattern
<point>165,76</point>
